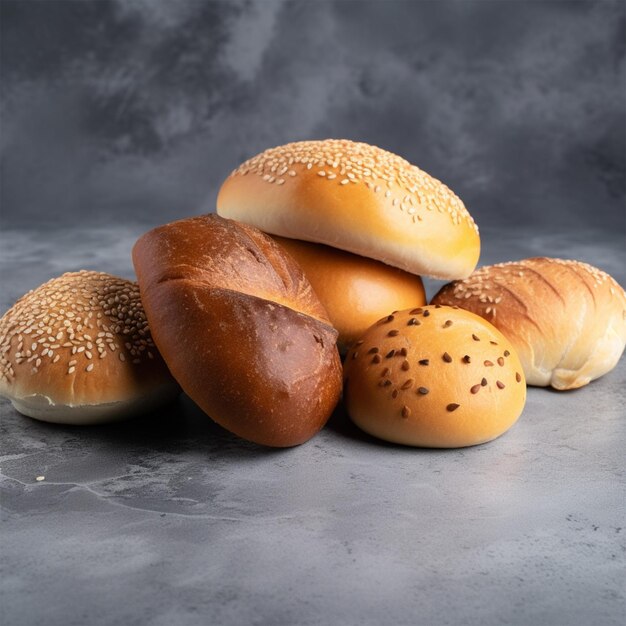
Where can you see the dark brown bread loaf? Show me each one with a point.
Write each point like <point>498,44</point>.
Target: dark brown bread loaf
<point>240,328</point>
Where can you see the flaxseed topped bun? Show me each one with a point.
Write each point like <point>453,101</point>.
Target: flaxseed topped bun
<point>358,198</point>
<point>437,377</point>
<point>566,319</point>
<point>78,350</point>
<point>354,290</point>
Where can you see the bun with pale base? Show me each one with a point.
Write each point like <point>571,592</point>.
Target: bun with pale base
<point>78,350</point>
<point>566,319</point>
<point>437,377</point>
<point>240,328</point>
<point>355,291</point>
<point>358,198</point>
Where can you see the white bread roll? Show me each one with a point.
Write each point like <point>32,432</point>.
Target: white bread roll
<point>358,198</point>
<point>355,291</point>
<point>566,319</point>
<point>240,328</point>
<point>78,350</point>
<point>437,377</point>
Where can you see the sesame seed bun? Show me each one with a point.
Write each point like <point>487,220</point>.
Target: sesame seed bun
<point>355,291</point>
<point>78,350</point>
<point>566,319</point>
<point>358,198</point>
<point>240,328</point>
<point>434,377</point>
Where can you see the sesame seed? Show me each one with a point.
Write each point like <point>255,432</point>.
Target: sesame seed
<point>483,382</point>
<point>405,365</point>
<point>89,367</point>
<point>394,393</point>
<point>506,353</point>
<point>447,324</point>
<point>406,412</point>
<point>475,389</point>
<point>500,361</point>
<point>475,338</point>
<point>413,322</point>
<point>518,378</point>
<point>426,313</point>
<point>417,311</point>
<point>422,390</point>
<point>488,364</point>
<point>377,358</point>
<point>393,333</point>
<point>390,354</point>
<point>424,362</point>
<point>466,359</point>
<point>452,407</point>
<point>372,351</point>
<point>385,372</point>
<point>407,384</point>
<point>403,351</point>
<point>447,358</point>
<point>500,384</point>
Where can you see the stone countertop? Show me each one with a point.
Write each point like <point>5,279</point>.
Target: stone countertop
<point>169,519</point>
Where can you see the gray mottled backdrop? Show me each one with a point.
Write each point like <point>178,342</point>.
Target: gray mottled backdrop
<point>133,111</point>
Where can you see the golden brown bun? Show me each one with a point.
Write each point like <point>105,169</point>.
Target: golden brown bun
<point>78,350</point>
<point>358,198</point>
<point>240,328</point>
<point>566,319</point>
<point>354,290</point>
<point>434,377</point>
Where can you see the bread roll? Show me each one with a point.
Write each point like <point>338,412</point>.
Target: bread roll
<point>355,291</point>
<point>240,328</point>
<point>436,377</point>
<point>566,319</point>
<point>358,198</point>
<point>78,350</point>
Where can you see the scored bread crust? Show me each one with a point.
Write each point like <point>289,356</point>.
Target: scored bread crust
<point>356,291</point>
<point>567,319</point>
<point>358,198</point>
<point>240,328</point>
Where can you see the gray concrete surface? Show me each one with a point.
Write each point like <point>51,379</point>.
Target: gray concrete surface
<point>170,520</point>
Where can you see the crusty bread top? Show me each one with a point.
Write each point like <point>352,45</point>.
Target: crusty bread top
<point>235,257</point>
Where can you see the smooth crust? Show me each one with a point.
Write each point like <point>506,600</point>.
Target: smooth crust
<point>355,291</point>
<point>78,350</point>
<point>358,198</point>
<point>240,328</point>
<point>437,377</point>
<point>566,319</point>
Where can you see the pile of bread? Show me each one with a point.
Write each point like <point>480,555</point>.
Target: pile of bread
<point>316,251</point>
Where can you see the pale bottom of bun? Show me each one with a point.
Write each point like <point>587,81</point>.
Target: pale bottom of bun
<point>42,408</point>
<point>605,357</point>
<point>430,438</point>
